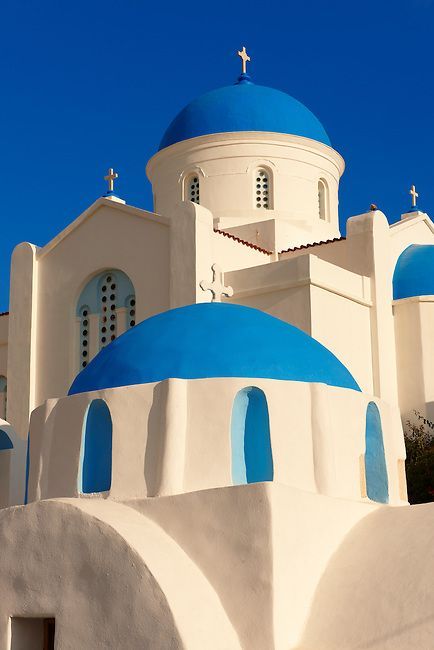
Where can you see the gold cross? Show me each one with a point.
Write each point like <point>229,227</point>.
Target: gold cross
<point>110,178</point>
<point>414,196</point>
<point>244,57</point>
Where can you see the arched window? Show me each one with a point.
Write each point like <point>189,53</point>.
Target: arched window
<point>322,200</point>
<point>104,311</point>
<point>252,459</point>
<point>96,451</point>
<point>192,188</point>
<point>262,189</point>
<point>3,397</point>
<point>377,484</point>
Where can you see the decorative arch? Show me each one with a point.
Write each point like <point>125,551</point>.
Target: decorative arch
<point>104,311</point>
<point>96,449</point>
<point>3,397</point>
<point>323,208</point>
<point>188,178</point>
<point>252,459</point>
<point>377,483</point>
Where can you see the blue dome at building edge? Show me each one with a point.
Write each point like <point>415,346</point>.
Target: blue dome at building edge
<point>244,106</point>
<point>209,340</point>
<point>414,272</point>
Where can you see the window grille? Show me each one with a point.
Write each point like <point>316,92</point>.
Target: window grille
<point>322,200</point>
<point>262,189</point>
<point>193,188</point>
<point>104,303</point>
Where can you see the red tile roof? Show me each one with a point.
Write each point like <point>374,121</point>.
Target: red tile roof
<point>242,241</point>
<point>318,243</point>
<point>266,252</point>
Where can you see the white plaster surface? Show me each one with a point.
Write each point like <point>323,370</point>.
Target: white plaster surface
<point>110,578</point>
<point>174,555</point>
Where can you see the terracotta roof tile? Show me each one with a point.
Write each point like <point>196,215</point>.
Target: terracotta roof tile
<point>318,243</point>
<point>242,241</point>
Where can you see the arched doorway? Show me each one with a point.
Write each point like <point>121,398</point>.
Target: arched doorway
<point>252,458</point>
<point>377,484</point>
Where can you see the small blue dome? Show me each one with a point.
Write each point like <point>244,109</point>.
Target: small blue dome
<point>244,107</point>
<point>212,340</point>
<point>414,272</point>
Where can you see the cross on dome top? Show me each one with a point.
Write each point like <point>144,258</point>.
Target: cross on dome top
<point>244,58</point>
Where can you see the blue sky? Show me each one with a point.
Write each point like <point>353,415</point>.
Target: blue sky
<point>88,85</point>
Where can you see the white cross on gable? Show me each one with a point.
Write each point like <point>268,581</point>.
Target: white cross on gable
<point>217,286</point>
<point>110,178</point>
<point>414,196</point>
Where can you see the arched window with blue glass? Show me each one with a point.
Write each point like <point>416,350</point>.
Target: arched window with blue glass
<point>252,458</point>
<point>377,484</point>
<point>96,449</point>
<point>105,309</point>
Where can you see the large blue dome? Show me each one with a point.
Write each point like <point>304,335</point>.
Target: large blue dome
<point>244,106</point>
<point>212,340</point>
<point>414,272</point>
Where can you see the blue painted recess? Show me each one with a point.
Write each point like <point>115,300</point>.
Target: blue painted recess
<point>252,459</point>
<point>212,340</point>
<point>5,441</point>
<point>414,272</point>
<point>26,489</point>
<point>377,483</point>
<point>96,461</point>
<point>244,106</point>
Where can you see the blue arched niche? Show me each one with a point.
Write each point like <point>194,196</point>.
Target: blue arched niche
<point>6,448</point>
<point>377,484</point>
<point>252,459</point>
<point>5,441</point>
<point>96,452</point>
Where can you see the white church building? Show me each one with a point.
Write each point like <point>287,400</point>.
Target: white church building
<point>201,440</point>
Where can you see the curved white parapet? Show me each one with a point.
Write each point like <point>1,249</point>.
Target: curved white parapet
<point>110,578</point>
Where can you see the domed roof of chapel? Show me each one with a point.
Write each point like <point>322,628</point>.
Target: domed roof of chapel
<point>209,340</point>
<point>244,106</point>
<point>414,272</point>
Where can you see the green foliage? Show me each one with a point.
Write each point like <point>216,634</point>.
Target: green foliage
<point>419,443</point>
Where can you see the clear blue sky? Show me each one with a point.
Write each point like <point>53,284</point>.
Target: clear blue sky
<point>88,85</point>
